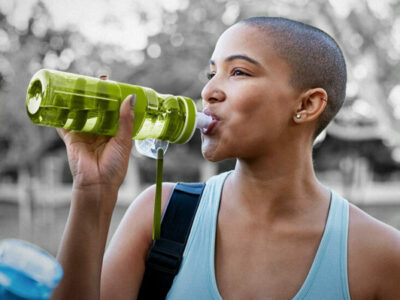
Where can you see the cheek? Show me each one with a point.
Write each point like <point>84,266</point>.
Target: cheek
<point>253,97</point>
<point>253,114</point>
<point>246,99</point>
<point>257,125</point>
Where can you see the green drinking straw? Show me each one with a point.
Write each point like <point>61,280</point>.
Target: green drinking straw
<point>157,201</point>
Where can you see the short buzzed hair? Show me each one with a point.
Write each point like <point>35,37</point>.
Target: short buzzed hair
<point>314,58</point>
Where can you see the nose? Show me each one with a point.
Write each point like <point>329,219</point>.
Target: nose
<point>211,92</point>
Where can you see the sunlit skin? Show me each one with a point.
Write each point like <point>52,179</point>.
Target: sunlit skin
<point>273,201</point>
<point>250,94</point>
<point>273,209</point>
<point>249,91</point>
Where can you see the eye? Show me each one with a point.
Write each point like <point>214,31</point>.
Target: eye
<point>238,72</point>
<point>210,75</point>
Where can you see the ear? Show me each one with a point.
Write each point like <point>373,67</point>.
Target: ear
<point>311,105</point>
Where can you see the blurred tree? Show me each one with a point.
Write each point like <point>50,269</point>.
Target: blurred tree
<point>180,39</point>
<point>28,50</point>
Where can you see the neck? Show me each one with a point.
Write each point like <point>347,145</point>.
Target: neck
<point>276,186</point>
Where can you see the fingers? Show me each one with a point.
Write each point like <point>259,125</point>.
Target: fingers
<point>61,132</point>
<point>126,118</point>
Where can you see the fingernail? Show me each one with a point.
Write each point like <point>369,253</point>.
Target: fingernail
<point>133,101</point>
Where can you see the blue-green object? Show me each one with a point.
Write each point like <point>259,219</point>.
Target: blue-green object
<point>27,271</point>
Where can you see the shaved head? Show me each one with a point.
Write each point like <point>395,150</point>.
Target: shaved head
<point>314,58</point>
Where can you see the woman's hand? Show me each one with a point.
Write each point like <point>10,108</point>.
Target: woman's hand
<point>98,165</point>
<point>97,160</point>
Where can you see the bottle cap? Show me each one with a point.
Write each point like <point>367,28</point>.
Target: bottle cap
<point>190,122</point>
<point>27,271</point>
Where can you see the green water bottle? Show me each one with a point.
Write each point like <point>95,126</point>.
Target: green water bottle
<point>89,104</point>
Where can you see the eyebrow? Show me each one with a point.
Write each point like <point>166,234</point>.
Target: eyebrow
<point>238,56</point>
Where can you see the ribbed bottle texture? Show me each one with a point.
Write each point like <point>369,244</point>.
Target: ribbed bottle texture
<point>88,104</point>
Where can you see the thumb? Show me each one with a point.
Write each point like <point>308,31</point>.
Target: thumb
<point>126,118</point>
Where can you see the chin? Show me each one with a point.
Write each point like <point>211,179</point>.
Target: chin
<point>214,154</point>
<point>211,158</point>
<point>210,153</point>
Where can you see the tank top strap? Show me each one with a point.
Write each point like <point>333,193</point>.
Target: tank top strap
<point>328,273</point>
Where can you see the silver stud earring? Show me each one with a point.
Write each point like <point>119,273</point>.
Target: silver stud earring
<point>298,116</point>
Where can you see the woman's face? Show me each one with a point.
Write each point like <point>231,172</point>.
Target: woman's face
<point>248,94</point>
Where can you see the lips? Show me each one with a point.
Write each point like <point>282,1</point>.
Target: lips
<point>213,123</point>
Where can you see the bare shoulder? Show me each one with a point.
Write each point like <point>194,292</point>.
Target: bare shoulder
<point>369,232</point>
<point>140,213</point>
<point>373,257</point>
<point>142,208</point>
<point>124,261</point>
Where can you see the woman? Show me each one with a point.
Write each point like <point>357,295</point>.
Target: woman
<point>266,230</point>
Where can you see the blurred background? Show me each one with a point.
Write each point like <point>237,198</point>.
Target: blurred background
<point>166,45</point>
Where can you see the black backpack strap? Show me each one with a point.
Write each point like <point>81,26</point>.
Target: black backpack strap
<point>165,255</point>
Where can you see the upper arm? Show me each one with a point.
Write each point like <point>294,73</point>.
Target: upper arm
<point>124,261</point>
<point>389,283</point>
<point>373,258</point>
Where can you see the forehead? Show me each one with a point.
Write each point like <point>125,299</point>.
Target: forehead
<point>246,40</point>
<point>256,43</point>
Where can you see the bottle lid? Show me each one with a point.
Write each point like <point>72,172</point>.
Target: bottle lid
<point>190,121</point>
<point>27,271</point>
